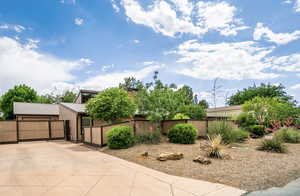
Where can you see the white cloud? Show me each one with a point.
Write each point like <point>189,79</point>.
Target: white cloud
<point>262,32</point>
<point>68,1</point>
<point>103,81</point>
<point>115,6</point>
<point>296,86</point>
<point>17,28</point>
<point>290,63</point>
<point>107,67</point>
<point>136,41</point>
<point>175,17</point>
<point>232,61</point>
<point>219,16</point>
<point>287,1</point>
<point>21,63</point>
<point>78,21</point>
<point>297,6</point>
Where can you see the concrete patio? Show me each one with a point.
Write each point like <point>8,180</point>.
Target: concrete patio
<point>65,169</point>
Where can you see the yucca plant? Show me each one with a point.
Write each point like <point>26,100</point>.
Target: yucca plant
<point>215,147</point>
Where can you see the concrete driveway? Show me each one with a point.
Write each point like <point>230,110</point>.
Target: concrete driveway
<point>66,169</point>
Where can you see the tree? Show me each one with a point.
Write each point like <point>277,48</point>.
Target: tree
<point>160,101</point>
<point>20,93</point>
<point>131,83</point>
<point>271,111</point>
<point>67,97</point>
<point>111,105</point>
<point>195,112</point>
<point>204,104</point>
<point>264,90</point>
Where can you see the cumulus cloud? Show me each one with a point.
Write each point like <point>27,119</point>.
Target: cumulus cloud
<point>232,61</point>
<point>175,17</point>
<point>290,63</point>
<point>22,63</point>
<point>102,81</point>
<point>78,21</point>
<point>107,67</point>
<point>262,32</point>
<point>219,16</point>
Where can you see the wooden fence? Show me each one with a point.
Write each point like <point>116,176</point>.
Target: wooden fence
<point>95,135</point>
<point>29,130</point>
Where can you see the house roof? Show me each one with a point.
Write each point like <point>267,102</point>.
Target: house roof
<point>76,107</point>
<point>228,108</point>
<point>21,108</point>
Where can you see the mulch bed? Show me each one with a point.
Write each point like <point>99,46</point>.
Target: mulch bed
<point>248,168</point>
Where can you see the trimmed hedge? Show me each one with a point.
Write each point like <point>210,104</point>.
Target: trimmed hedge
<point>120,137</point>
<point>183,134</point>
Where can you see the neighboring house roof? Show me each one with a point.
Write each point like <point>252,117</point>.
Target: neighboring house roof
<point>229,111</point>
<point>228,108</point>
<point>79,108</point>
<point>21,108</point>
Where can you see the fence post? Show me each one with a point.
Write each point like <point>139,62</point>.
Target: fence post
<point>101,136</point>
<point>206,126</point>
<point>49,129</point>
<point>134,127</point>
<point>17,129</point>
<point>91,131</point>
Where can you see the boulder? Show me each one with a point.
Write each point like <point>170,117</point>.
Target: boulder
<point>145,154</point>
<point>170,156</point>
<point>202,160</point>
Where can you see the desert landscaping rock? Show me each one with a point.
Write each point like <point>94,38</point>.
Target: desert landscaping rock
<point>170,156</point>
<point>202,160</point>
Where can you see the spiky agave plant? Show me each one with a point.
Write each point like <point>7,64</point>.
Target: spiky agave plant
<point>215,147</point>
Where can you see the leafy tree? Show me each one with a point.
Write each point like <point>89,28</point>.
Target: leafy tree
<point>270,111</point>
<point>195,112</point>
<point>160,101</point>
<point>264,90</point>
<point>131,83</point>
<point>20,93</point>
<point>203,103</point>
<point>111,105</point>
<point>67,97</point>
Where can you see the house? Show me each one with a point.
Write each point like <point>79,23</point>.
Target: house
<point>224,112</point>
<point>35,111</point>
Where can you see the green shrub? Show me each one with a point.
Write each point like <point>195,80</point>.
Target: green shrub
<point>258,130</point>
<point>147,138</point>
<point>180,116</point>
<point>183,134</point>
<point>245,120</point>
<point>288,135</point>
<point>228,132</point>
<point>120,137</point>
<point>273,145</point>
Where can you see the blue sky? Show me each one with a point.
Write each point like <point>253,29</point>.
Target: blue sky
<point>54,45</point>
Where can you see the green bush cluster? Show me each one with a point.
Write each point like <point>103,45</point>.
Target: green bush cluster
<point>147,138</point>
<point>273,145</point>
<point>183,134</point>
<point>228,132</point>
<point>121,137</point>
<point>258,130</point>
<point>288,135</point>
<point>180,116</point>
<point>245,120</point>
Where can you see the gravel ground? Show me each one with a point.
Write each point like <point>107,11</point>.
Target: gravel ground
<point>248,168</point>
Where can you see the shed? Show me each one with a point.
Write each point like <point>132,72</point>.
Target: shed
<point>35,111</point>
